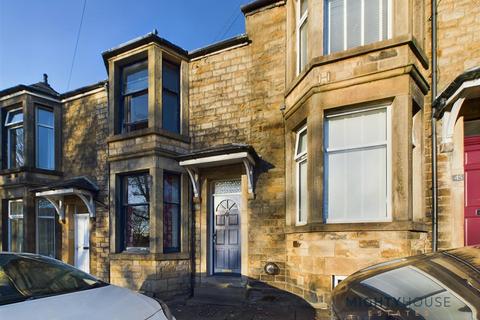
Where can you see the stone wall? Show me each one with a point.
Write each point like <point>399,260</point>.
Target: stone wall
<point>235,97</point>
<point>85,154</point>
<point>458,51</point>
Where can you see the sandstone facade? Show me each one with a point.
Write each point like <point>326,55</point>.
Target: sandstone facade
<point>241,105</point>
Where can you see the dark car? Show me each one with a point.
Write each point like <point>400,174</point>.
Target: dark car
<point>437,286</point>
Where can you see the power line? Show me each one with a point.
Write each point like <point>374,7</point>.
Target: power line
<point>76,44</point>
<point>228,25</point>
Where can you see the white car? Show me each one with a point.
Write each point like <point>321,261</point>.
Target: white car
<point>36,287</point>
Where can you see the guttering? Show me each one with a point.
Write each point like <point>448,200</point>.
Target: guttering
<point>434,130</point>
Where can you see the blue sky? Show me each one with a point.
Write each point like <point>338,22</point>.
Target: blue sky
<point>38,36</point>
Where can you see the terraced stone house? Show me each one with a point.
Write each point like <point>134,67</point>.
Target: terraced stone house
<point>292,155</point>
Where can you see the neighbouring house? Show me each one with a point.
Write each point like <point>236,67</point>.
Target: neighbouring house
<point>292,155</point>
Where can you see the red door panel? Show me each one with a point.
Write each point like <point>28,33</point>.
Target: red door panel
<point>472,190</point>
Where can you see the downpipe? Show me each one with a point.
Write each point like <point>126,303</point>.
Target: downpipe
<point>434,130</point>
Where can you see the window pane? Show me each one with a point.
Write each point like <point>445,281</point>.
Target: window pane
<point>356,165</point>
<point>354,23</point>
<point>15,147</point>
<point>372,21</point>
<point>15,226</point>
<point>171,227</point>
<point>385,22</point>
<point>171,212</point>
<point>14,117</point>
<point>171,111</point>
<point>135,78</point>
<point>138,108</point>
<point>137,189</point>
<point>171,76</point>
<point>46,228</point>
<point>336,27</point>
<point>303,189</point>
<point>45,148</point>
<point>302,143</point>
<point>45,117</point>
<point>357,129</point>
<point>138,226</point>
<point>303,45</point>
<point>303,7</point>
<point>171,187</point>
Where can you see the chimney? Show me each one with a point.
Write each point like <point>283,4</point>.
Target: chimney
<point>45,78</point>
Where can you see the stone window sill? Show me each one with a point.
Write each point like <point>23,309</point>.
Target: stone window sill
<point>27,169</point>
<point>356,227</point>
<point>147,256</point>
<point>146,132</point>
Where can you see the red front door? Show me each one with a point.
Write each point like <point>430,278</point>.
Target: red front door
<point>472,190</point>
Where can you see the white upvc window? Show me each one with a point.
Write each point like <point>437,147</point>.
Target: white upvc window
<point>15,138</point>
<point>302,34</point>
<point>353,23</point>
<point>358,165</point>
<point>301,176</point>
<point>15,226</point>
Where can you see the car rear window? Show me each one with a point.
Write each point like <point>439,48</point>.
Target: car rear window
<point>31,277</point>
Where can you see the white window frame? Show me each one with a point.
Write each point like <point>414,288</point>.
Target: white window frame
<point>345,25</point>
<point>300,21</point>
<point>387,143</point>
<point>11,217</point>
<point>12,126</point>
<point>299,159</point>
<point>54,227</point>
<point>37,136</point>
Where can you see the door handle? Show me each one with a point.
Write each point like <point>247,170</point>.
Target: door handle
<point>214,237</point>
<point>86,248</point>
<point>477,212</point>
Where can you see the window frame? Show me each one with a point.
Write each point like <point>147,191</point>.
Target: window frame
<point>125,113</point>
<point>300,158</point>
<point>17,217</point>
<point>37,137</point>
<point>389,168</point>
<point>327,25</point>
<point>301,20</point>
<point>37,233</point>
<point>9,126</point>
<point>123,210</point>
<point>169,91</point>
<point>178,249</point>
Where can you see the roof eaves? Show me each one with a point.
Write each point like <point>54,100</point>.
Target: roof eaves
<point>221,45</point>
<point>83,89</point>
<point>259,4</point>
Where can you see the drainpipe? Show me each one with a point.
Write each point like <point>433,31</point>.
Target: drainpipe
<point>434,131</point>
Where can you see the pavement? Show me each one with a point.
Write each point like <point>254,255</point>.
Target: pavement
<point>263,309</point>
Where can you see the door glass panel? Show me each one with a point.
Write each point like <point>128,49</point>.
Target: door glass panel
<point>227,186</point>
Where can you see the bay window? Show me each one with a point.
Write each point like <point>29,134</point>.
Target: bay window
<point>134,93</point>
<point>15,139</point>
<point>171,212</point>
<point>352,23</point>
<point>45,228</point>
<point>301,176</point>
<point>170,97</point>
<point>302,31</point>
<point>136,211</point>
<point>357,165</point>
<point>45,139</point>
<point>15,226</point>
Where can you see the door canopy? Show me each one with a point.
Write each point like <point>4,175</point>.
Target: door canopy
<point>81,187</point>
<point>220,156</point>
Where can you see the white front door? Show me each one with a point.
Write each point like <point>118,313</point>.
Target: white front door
<point>82,242</point>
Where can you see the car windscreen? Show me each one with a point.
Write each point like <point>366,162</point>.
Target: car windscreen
<point>439,287</point>
<point>25,277</point>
